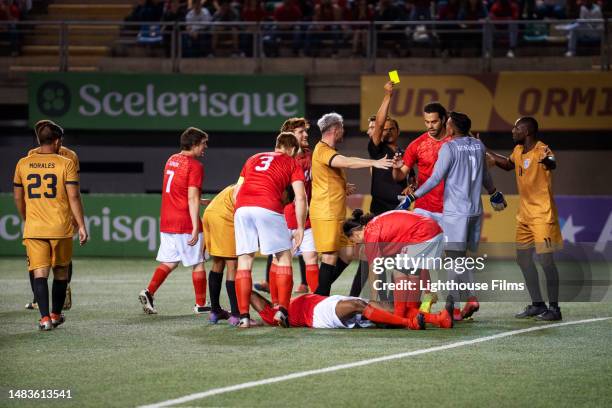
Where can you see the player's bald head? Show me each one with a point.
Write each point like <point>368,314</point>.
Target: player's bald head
<point>530,124</point>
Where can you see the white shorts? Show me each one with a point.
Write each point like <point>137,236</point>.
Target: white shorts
<point>437,217</point>
<point>324,315</point>
<point>307,244</point>
<point>174,248</point>
<point>428,251</point>
<point>461,232</point>
<point>260,229</point>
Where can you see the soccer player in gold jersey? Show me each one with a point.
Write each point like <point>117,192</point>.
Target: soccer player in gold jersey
<point>46,192</point>
<point>328,202</point>
<point>537,221</point>
<point>71,155</point>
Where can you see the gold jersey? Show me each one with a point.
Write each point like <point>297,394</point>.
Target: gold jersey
<point>43,177</point>
<point>328,200</point>
<point>64,152</point>
<point>534,182</point>
<point>223,204</point>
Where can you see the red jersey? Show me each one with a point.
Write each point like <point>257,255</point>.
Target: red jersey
<point>305,162</point>
<point>301,310</point>
<point>266,176</point>
<point>423,151</point>
<point>180,173</point>
<point>389,232</point>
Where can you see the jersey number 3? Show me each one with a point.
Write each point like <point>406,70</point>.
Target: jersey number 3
<point>264,163</point>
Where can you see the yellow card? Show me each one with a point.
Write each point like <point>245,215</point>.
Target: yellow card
<point>394,77</point>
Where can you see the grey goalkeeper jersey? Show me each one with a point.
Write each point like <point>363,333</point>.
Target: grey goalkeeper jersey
<point>461,164</point>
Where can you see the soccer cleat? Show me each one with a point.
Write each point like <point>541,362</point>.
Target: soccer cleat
<point>282,318</point>
<point>233,320</point>
<point>302,289</point>
<point>57,319</point>
<point>214,317</point>
<point>416,322</point>
<point>428,301</point>
<point>197,309</point>
<point>551,315</point>
<point>68,300</point>
<point>31,306</point>
<point>244,323</point>
<point>147,302</point>
<point>262,286</point>
<point>45,323</point>
<point>457,315</point>
<point>531,311</point>
<point>470,307</point>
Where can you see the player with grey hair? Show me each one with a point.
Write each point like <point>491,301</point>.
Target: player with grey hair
<point>328,202</point>
<point>461,164</point>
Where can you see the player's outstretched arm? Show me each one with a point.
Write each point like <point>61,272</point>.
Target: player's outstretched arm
<point>193,200</point>
<point>381,115</point>
<point>340,161</point>
<point>501,161</point>
<point>76,207</point>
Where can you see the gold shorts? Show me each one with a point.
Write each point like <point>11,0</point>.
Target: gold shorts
<point>328,235</point>
<point>545,237</point>
<point>219,235</point>
<point>45,253</point>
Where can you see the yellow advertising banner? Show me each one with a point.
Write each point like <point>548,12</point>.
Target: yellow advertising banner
<point>558,100</point>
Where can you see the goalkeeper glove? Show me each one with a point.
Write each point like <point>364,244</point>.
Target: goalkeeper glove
<point>498,202</point>
<point>405,204</point>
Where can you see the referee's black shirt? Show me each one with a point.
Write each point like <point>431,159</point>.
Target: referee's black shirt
<point>384,189</point>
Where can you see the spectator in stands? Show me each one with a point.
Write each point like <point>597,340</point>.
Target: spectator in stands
<point>583,31</point>
<point>9,11</point>
<point>504,10</point>
<point>554,9</point>
<point>254,11</point>
<point>527,9</point>
<point>360,10</point>
<point>226,14</point>
<point>325,11</point>
<point>174,10</point>
<point>472,10</point>
<point>420,10</point>
<point>146,11</point>
<point>449,40</point>
<point>289,12</point>
<point>387,11</point>
<point>196,40</point>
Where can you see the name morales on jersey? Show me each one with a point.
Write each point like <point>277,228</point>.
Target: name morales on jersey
<point>42,165</point>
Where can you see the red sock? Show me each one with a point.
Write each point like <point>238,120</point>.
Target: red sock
<point>400,296</point>
<point>244,282</point>
<point>159,276</point>
<point>273,284</point>
<point>432,318</point>
<point>199,286</point>
<point>425,278</point>
<point>284,282</point>
<point>377,315</point>
<point>312,277</point>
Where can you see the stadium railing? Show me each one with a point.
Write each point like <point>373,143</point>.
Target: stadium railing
<point>175,41</point>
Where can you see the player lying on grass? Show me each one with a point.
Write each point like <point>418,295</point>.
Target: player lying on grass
<point>401,232</point>
<point>343,312</point>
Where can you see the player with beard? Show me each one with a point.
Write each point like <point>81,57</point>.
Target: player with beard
<point>537,227</point>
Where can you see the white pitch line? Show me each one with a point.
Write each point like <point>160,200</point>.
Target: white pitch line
<point>272,380</point>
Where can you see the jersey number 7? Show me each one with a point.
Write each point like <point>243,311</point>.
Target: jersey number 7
<point>170,174</point>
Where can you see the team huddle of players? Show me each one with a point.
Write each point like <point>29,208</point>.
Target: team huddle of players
<point>292,200</point>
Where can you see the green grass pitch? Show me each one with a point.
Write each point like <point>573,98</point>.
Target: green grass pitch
<point>109,354</point>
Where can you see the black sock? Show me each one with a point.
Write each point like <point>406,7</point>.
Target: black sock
<point>230,287</point>
<point>58,295</point>
<point>524,259</point>
<point>356,285</point>
<point>215,281</point>
<point>538,304</point>
<point>340,267</point>
<point>268,266</point>
<point>70,272</point>
<point>552,278</point>
<point>326,274</point>
<point>31,274</point>
<point>302,269</point>
<point>41,293</point>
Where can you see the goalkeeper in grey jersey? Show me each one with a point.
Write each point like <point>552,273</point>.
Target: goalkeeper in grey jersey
<point>461,164</point>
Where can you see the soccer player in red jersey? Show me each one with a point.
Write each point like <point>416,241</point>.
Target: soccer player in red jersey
<point>259,223</point>
<point>334,312</point>
<point>401,232</point>
<point>180,226</point>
